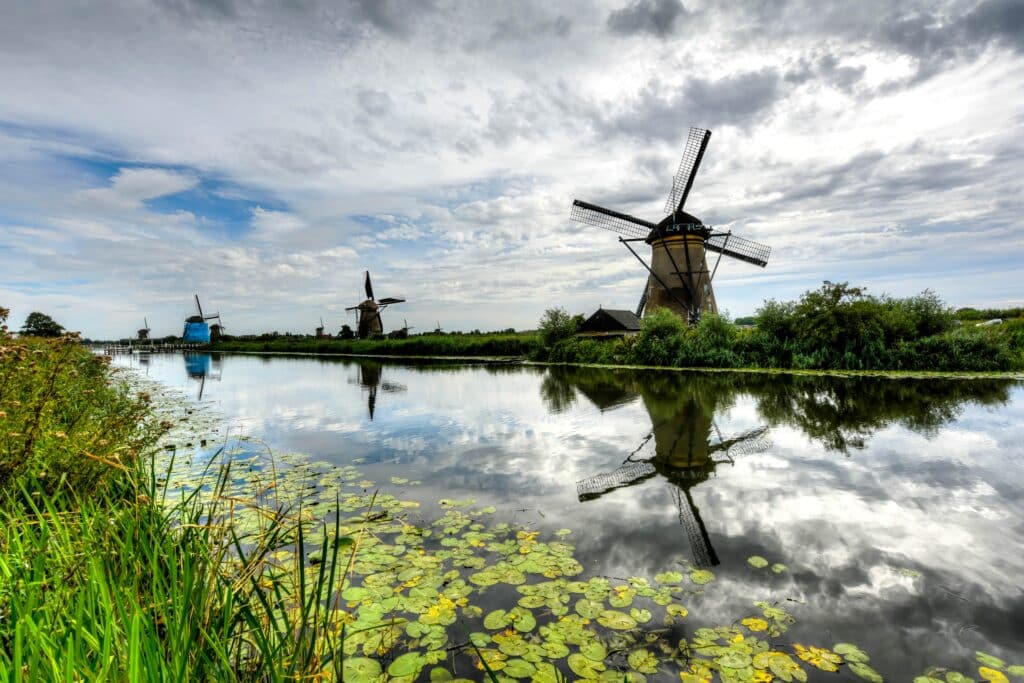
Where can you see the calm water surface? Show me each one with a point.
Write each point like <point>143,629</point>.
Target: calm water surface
<point>896,504</point>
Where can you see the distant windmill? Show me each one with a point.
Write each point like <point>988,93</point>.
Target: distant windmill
<point>144,332</point>
<point>196,330</point>
<point>678,279</point>
<point>368,320</point>
<point>402,332</point>
<point>438,330</point>
<point>320,330</point>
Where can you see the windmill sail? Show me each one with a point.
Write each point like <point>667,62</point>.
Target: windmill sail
<point>693,154</point>
<point>600,217</point>
<point>369,286</point>
<point>750,251</point>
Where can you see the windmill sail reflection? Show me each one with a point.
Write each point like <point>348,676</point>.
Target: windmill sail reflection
<point>684,446</point>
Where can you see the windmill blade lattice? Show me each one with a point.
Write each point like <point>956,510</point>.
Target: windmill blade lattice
<point>625,474</point>
<point>696,143</point>
<point>600,217</point>
<point>750,251</point>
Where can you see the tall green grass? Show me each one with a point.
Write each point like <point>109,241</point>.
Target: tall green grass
<point>125,586</point>
<point>107,575</point>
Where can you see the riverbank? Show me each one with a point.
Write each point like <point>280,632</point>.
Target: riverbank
<point>426,345</point>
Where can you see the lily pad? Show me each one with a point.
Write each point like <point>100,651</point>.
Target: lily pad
<point>757,562</point>
<point>583,666</point>
<point>669,577</point>
<point>408,664</point>
<point>616,620</point>
<point>701,576</point>
<point>851,653</point>
<point>361,670</point>
<point>594,650</point>
<point>992,675</point>
<point>864,671</point>
<point>988,660</point>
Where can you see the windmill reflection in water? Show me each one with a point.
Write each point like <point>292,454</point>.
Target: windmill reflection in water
<point>684,445</point>
<point>202,366</point>
<point>368,376</point>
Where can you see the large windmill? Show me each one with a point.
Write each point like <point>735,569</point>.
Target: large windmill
<point>679,278</point>
<point>368,321</point>
<point>196,330</point>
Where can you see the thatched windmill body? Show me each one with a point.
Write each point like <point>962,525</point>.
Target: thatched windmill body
<point>143,334</point>
<point>678,275</point>
<point>368,320</point>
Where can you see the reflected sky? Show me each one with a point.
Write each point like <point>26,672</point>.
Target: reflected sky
<point>856,485</point>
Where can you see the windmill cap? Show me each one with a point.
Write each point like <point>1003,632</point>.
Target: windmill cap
<point>667,226</point>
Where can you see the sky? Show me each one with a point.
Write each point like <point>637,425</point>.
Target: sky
<point>265,154</point>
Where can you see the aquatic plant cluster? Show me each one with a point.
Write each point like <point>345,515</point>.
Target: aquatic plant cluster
<point>835,327</point>
<point>203,563</point>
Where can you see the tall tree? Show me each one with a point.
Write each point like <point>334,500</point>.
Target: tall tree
<point>41,325</point>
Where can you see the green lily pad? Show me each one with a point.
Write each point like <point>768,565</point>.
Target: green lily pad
<point>864,671</point>
<point>583,666</point>
<point>518,668</point>
<point>735,660</point>
<point>361,670</point>
<point>669,577</point>
<point>643,661</point>
<point>851,653</point>
<point>986,659</point>
<point>408,664</point>
<point>616,620</point>
<point>640,615</point>
<point>594,650</point>
<point>779,568</point>
<point>588,609</point>
<point>757,562</point>
<point>440,675</point>
<point>701,576</point>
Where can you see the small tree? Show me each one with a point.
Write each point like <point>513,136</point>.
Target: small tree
<point>556,325</point>
<point>346,333</point>
<point>41,325</point>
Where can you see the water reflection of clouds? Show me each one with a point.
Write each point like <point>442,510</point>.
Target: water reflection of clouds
<point>934,490</point>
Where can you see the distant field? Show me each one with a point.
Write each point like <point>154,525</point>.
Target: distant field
<point>500,344</point>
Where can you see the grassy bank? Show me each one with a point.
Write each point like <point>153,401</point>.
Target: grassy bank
<point>105,574</point>
<point>834,328</point>
<point>498,344</point>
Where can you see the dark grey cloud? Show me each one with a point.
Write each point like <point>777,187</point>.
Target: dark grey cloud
<point>654,17</point>
<point>394,17</point>
<point>998,20</point>
<point>314,17</point>
<point>661,111</point>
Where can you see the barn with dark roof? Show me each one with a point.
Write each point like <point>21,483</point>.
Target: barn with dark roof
<point>609,322</point>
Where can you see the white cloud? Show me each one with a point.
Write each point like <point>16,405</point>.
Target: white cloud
<point>131,187</point>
